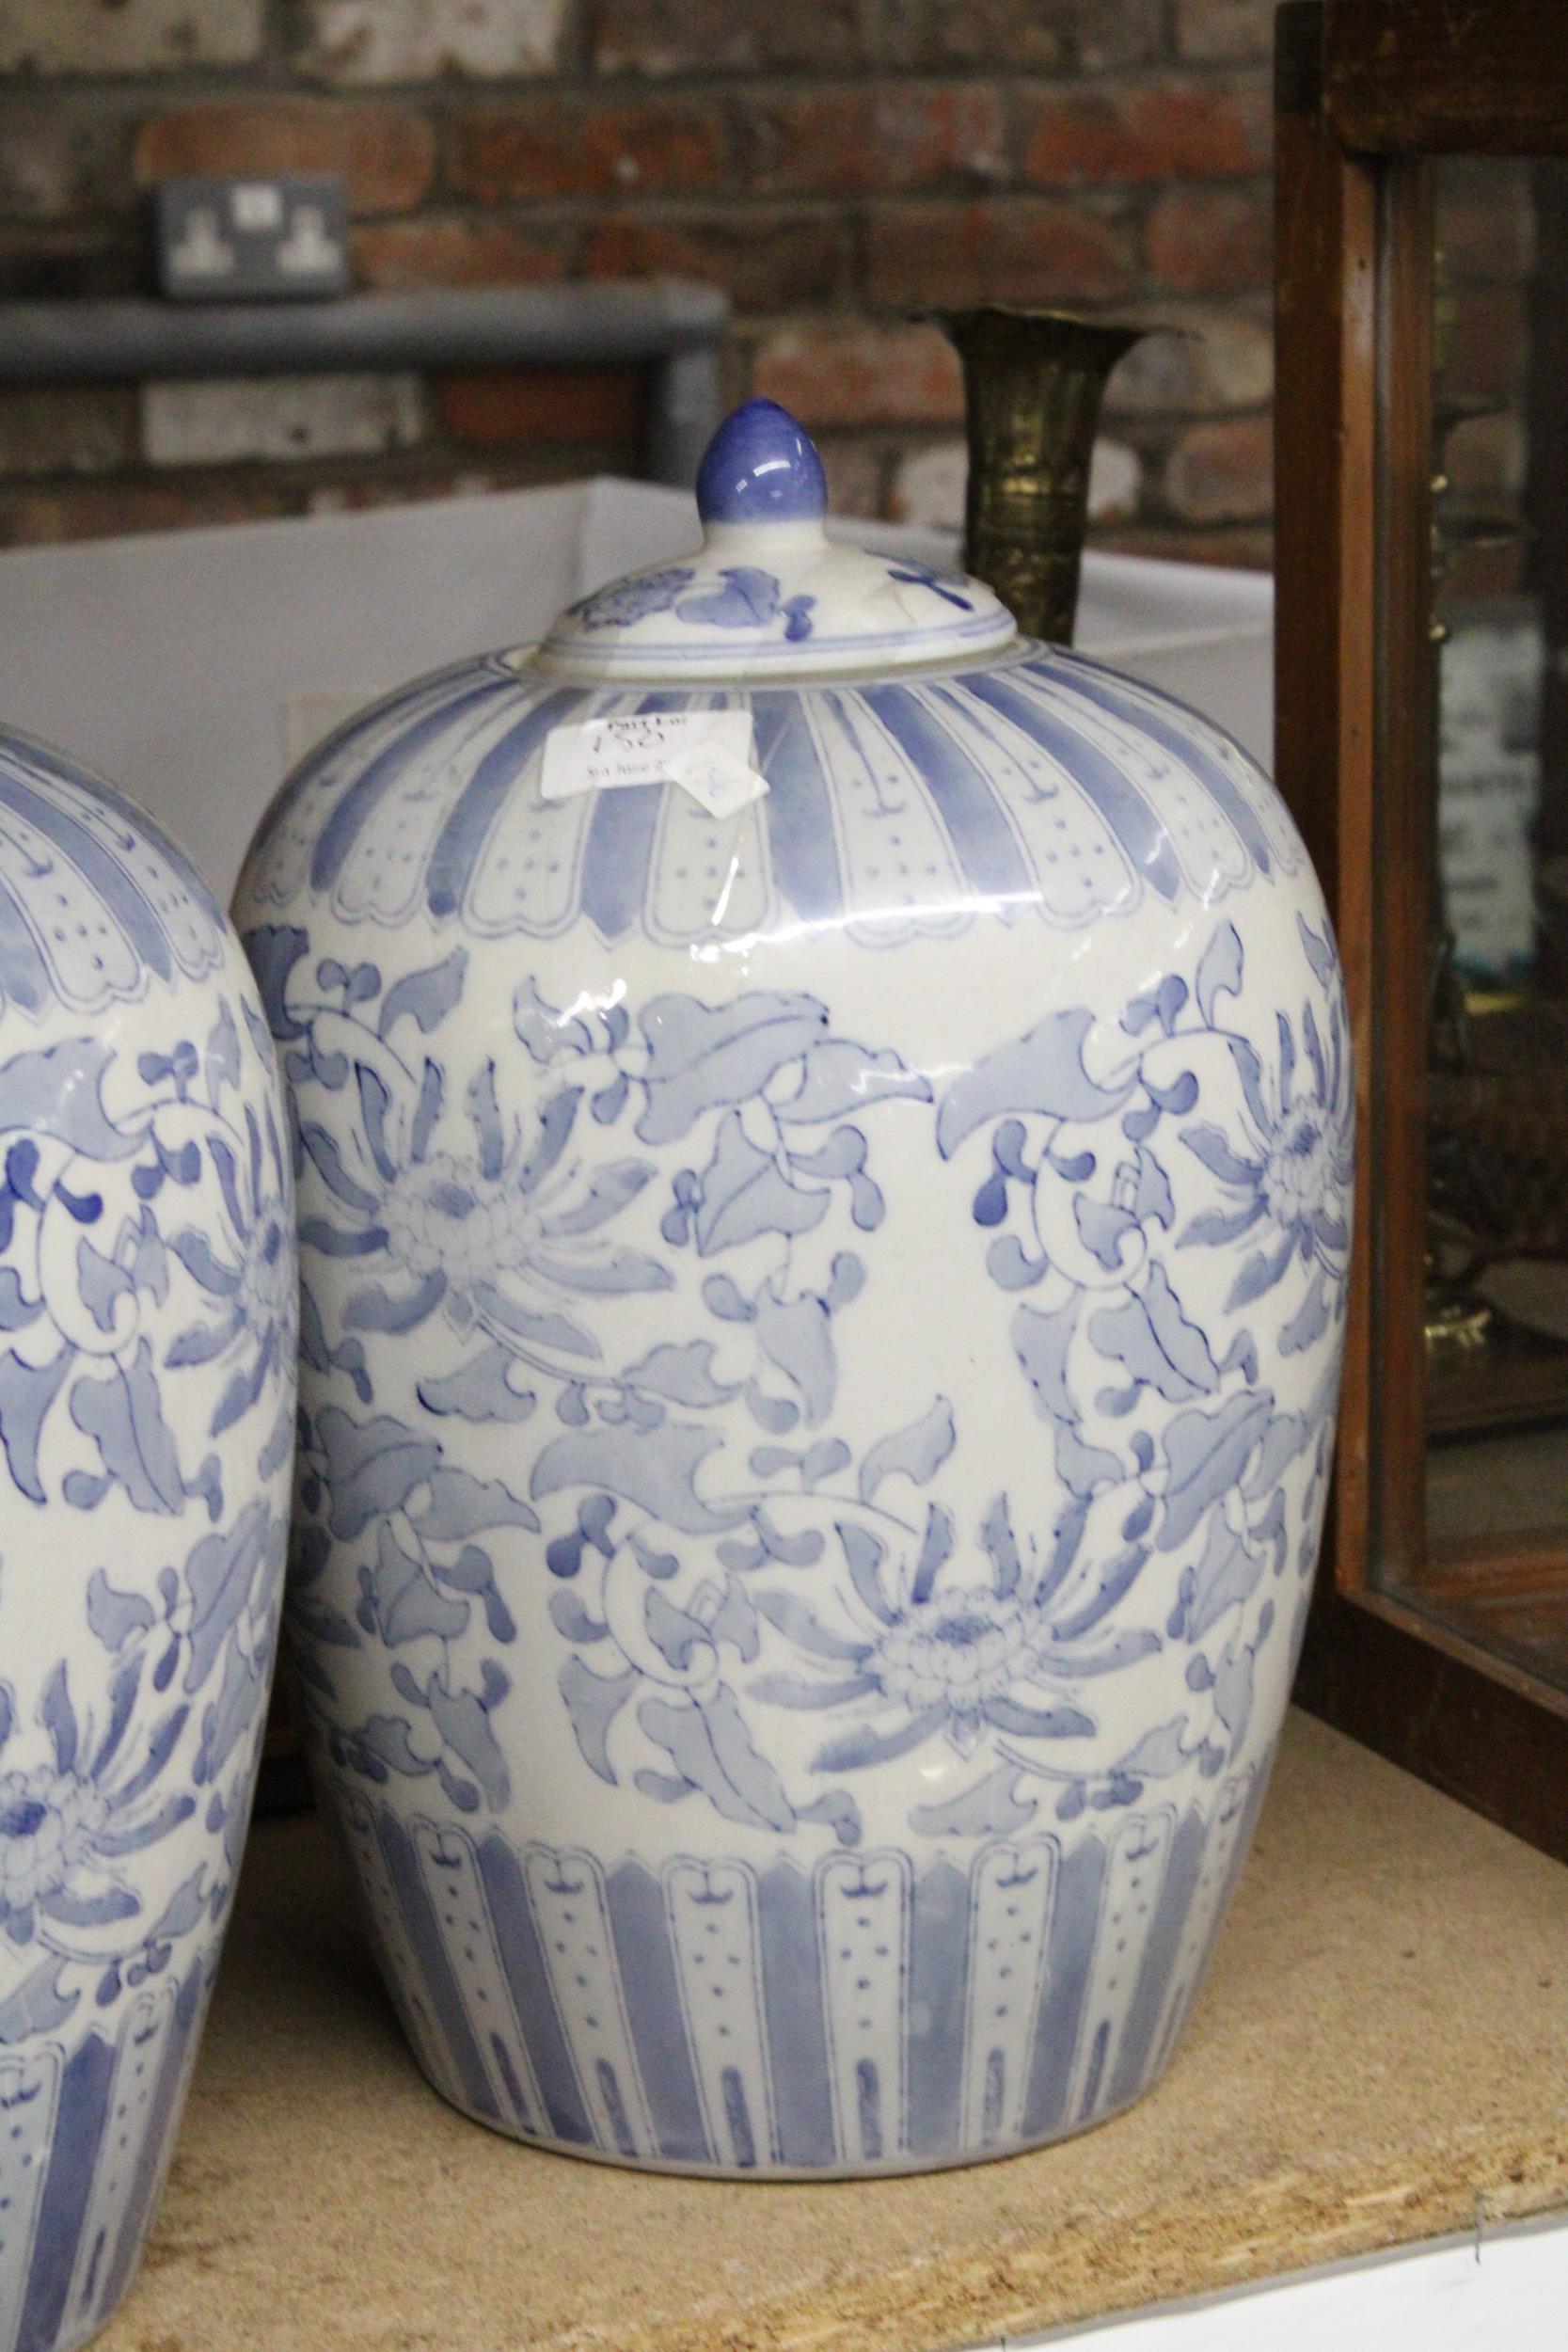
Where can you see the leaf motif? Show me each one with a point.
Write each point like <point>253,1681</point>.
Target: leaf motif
<point>1159,1753</point>
<point>1042,1071</point>
<point>610,1190</point>
<point>548,1329</point>
<point>798,1625</point>
<point>371,1468</point>
<point>408,1607</point>
<point>917,1452</point>
<point>425,996</point>
<point>1209,1144</point>
<point>543,1029</point>
<point>683,1375</point>
<point>712,1751</point>
<point>592,1702</point>
<point>1319,950</point>
<point>1041,1344</point>
<point>1206,1454</point>
<point>1219,971</point>
<point>461,1505</point>
<point>608,1274</point>
<point>674,1633</point>
<point>838,1076</point>
<point>991,1808</point>
<point>387,1738</point>
<point>1227,1574</point>
<point>463,1721</point>
<point>230,1714</point>
<point>1310,1320</point>
<point>796,1335</point>
<point>219,1577</point>
<point>37,2005</point>
<point>222,1056</point>
<point>1160,1348</point>
<point>124,1415</point>
<point>704,1057</point>
<point>479,1390</point>
<point>114,1615</point>
<point>746,1193</point>
<point>27,1392</point>
<point>655,1468</point>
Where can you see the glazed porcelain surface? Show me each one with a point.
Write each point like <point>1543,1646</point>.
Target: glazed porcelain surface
<point>820,1341</point>
<point>147,1384</point>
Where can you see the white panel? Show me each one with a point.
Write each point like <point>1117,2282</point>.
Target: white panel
<point>707,875</point>
<point>1009,1921</point>
<point>184,919</point>
<point>900,871</point>
<point>713,1928</point>
<point>88,957</point>
<point>450,1870</point>
<point>384,873</point>
<point>572,1918</point>
<point>863,1905</point>
<point>1079,866</point>
<point>139,2065</point>
<point>1212,854</point>
<point>1135,1870</point>
<point>294,838</point>
<point>29,2094</point>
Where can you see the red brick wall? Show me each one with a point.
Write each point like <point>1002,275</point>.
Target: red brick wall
<point>834,164</point>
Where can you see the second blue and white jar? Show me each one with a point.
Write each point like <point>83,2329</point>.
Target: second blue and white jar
<point>825,1137</point>
<point>148,1346</point>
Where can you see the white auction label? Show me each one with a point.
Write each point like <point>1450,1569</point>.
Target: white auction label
<point>707,752</point>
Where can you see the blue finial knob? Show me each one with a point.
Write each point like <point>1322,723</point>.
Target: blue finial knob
<point>761,467</point>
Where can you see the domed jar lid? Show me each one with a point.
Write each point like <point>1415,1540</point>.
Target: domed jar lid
<point>769,595</point>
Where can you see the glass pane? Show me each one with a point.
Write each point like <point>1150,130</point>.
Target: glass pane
<point>1497,1305</point>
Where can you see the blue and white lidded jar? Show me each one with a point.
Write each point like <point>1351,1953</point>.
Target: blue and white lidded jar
<point>146,1392</point>
<point>825,1143</point>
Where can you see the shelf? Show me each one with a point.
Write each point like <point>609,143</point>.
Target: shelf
<point>1381,2053</point>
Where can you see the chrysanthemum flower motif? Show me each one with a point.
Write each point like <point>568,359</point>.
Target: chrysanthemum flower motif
<point>445,1217</point>
<point>963,1650</point>
<point>1285,1158</point>
<point>246,1272</point>
<point>509,1233</point>
<point>928,1660</point>
<point>49,1825</point>
<point>66,1825</point>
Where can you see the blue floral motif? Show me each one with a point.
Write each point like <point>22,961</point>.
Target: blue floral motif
<point>101,1215</point>
<point>696,1592</point>
<point>149,1314</point>
<point>1285,1158</point>
<point>484,1216</point>
<point>748,599</point>
<point>938,1656</point>
<point>625,601</point>
<point>91,1210</point>
<point>491,1216</point>
<point>741,595</point>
